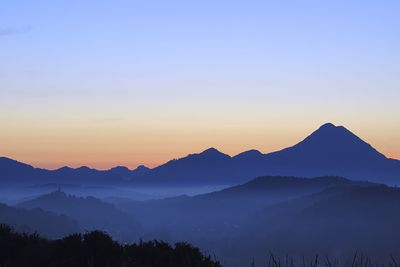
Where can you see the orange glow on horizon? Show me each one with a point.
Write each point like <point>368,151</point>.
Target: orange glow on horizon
<point>129,144</point>
<point>393,156</point>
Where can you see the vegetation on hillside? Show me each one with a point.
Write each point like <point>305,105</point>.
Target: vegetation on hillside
<point>94,249</point>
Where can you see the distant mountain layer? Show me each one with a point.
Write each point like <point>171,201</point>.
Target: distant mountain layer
<point>330,150</point>
<point>13,172</point>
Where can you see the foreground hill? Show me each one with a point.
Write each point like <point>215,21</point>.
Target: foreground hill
<point>329,151</point>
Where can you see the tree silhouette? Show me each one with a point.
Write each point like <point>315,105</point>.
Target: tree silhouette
<point>94,249</point>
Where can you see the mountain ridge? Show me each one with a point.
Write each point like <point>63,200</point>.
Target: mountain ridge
<point>329,151</point>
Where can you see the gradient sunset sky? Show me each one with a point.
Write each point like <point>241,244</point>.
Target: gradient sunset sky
<point>105,83</point>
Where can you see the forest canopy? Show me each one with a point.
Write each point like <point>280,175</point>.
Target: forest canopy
<point>95,248</point>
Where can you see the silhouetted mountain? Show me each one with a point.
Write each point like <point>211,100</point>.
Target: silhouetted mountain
<point>204,168</point>
<point>121,174</point>
<point>141,170</point>
<point>332,149</point>
<point>72,175</point>
<point>249,155</point>
<point>90,212</point>
<point>334,144</point>
<point>329,151</point>
<point>121,170</point>
<point>46,223</point>
<point>13,166</point>
<point>114,175</point>
<point>15,172</point>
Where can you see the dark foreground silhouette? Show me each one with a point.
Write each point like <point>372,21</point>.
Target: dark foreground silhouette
<point>94,248</point>
<point>98,249</point>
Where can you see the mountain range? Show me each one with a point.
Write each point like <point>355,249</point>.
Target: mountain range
<point>300,216</point>
<point>330,150</point>
<point>330,215</point>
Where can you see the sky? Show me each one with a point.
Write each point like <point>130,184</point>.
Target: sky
<point>106,83</point>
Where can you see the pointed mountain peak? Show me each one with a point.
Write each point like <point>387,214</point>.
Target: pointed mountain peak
<point>327,125</point>
<point>331,127</point>
<point>335,143</point>
<point>84,168</point>
<point>333,132</point>
<point>212,152</point>
<point>141,168</point>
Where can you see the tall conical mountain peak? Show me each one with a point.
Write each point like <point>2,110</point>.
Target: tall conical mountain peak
<point>336,143</point>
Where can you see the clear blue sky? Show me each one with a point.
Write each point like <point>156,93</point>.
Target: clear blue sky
<point>129,82</point>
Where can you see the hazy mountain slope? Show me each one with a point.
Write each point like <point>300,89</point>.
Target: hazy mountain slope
<point>90,212</point>
<point>46,223</point>
<point>229,206</point>
<point>337,221</point>
<point>299,216</point>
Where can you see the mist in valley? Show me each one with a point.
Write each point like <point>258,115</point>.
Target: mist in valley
<point>224,205</point>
